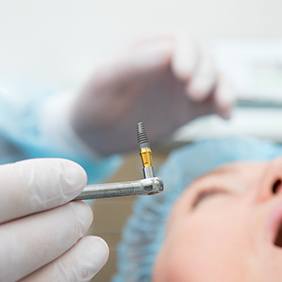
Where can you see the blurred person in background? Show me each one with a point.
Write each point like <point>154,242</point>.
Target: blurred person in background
<point>166,82</point>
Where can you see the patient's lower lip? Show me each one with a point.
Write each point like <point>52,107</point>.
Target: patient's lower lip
<point>275,222</point>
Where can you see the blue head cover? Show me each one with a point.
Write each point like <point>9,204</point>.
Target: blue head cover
<point>144,232</point>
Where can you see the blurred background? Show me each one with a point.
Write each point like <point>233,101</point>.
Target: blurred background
<point>57,44</point>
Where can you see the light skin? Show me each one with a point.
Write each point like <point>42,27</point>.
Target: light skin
<point>225,227</point>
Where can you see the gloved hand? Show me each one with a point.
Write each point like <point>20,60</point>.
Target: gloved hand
<point>165,83</point>
<point>42,236</point>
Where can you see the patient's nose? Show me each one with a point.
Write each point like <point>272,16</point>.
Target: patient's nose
<point>271,182</point>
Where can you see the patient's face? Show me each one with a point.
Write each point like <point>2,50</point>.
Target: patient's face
<point>226,227</point>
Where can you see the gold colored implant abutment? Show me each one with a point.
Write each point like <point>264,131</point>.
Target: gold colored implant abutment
<point>146,156</point>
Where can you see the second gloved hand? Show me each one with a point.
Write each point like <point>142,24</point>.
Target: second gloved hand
<point>42,236</point>
<point>165,82</point>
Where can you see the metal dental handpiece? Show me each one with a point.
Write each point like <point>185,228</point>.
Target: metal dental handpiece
<point>148,186</point>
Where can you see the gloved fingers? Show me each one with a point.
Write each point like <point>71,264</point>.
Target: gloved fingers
<point>31,242</point>
<point>224,97</point>
<point>143,60</point>
<point>185,58</point>
<point>81,263</point>
<point>204,79</point>
<point>149,56</point>
<point>35,185</point>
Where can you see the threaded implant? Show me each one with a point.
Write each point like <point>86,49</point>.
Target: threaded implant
<point>142,138</point>
<point>145,151</point>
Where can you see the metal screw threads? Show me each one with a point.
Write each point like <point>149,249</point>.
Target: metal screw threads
<point>142,138</point>
<point>145,151</point>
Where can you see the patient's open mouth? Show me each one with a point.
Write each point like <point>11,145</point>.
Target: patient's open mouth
<point>276,226</point>
<point>278,238</point>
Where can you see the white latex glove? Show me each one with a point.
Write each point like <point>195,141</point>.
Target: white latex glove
<point>42,237</point>
<point>165,82</point>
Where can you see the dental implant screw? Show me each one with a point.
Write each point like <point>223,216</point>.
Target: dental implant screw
<point>145,151</point>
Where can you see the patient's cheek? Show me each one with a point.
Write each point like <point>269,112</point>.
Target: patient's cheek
<point>159,269</point>
<point>169,267</point>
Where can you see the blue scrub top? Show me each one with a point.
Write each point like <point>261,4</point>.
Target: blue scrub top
<point>21,138</point>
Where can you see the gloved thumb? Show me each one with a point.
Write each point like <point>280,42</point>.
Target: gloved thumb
<point>36,185</point>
